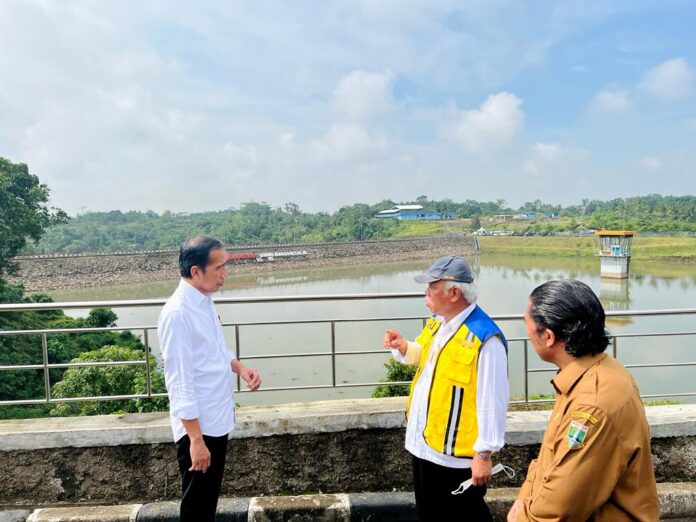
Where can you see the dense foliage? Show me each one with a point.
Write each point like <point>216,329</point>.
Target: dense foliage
<point>24,215</point>
<point>108,380</point>
<point>69,347</point>
<point>23,211</point>
<point>255,223</point>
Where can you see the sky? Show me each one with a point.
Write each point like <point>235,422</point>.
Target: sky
<point>197,106</point>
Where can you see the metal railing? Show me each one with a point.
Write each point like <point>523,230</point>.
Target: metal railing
<point>333,353</point>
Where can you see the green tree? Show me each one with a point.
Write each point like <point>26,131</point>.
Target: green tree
<point>396,372</point>
<point>99,381</point>
<point>23,211</point>
<point>101,318</point>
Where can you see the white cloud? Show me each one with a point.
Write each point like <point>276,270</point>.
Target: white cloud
<point>344,142</point>
<point>611,101</point>
<point>541,157</point>
<point>673,80</point>
<point>494,124</point>
<point>361,96</point>
<point>651,163</point>
<point>548,151</point>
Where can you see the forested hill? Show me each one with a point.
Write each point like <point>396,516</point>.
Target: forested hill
<point>261,223</point>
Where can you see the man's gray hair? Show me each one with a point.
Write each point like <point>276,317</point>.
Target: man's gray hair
<point>469,290</point>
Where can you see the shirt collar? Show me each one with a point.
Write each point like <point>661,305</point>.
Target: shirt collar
<point>566,378</point>
<point>191,293</point>
<point>458,319</point>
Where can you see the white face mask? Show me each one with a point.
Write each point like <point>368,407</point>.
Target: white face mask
<point>496,469</point>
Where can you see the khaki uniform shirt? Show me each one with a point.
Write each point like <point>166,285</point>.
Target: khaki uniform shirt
<point>595,462</point>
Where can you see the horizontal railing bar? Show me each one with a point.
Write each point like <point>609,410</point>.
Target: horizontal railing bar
<point>96,363</point>
<point>652,334</point>
<point>75,330</point>
<point>659,365</point>
<point>19,307</point>
<point>327,386</point>
<point>82,399</point>
<point>655,395</point>
<point>637,365</point>
<point>311,321</point>
<point>312,354</point>
<point>73,365</point>
<point>154,327</point>
<point>23,307</point>
<point>290,356</point>
<point>23,367</point>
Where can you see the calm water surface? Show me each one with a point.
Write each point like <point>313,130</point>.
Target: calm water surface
<point>504,285</point>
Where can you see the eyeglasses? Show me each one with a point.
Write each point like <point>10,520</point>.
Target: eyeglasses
<point>432,286</point>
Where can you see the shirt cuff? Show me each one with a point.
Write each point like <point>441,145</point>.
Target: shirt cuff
<point>484,445</point>
<point>411,356</point>
<point>186,411</point>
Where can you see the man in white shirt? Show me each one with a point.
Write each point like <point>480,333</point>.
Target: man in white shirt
<point>198,373</point>
<point>459,395</point>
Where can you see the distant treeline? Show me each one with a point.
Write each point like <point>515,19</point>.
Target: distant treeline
<point>261,223</point>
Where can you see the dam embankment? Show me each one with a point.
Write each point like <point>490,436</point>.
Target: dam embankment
<point>48,273</point>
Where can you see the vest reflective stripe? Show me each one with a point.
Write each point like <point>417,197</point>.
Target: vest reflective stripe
<point>454,416</point>
<point>451,424</point>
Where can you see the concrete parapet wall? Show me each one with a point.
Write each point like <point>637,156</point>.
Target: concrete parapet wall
<point>346,446</point>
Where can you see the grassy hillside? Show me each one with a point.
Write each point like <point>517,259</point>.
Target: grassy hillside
<point>667,248</point>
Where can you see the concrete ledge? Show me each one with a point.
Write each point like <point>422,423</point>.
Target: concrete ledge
<point>229,509</point>
<point>14,515</point>
<point>299,508</point>
<point>523,428</point>
<point>382,506</point>
<point>154,428</point>
<point>126,513</point>
<point>677,502</point>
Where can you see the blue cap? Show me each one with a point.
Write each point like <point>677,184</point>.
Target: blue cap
<point>448,268</point>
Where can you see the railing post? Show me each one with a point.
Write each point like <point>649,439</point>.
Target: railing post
<point>333,354</point>
<point>526,373</point>
<point>239,353</point>
<point>148,379</point>
<point>47,377</point>
<point>614,346</point>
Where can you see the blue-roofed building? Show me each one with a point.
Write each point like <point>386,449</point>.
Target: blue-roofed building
<point>411,212</point>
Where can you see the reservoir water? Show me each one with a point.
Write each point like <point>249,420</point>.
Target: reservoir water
<point>504,285</point>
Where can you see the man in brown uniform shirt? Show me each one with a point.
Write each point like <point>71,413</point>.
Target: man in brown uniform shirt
<point>594,463</point>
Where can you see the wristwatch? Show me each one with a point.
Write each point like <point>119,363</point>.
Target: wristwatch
<point>484,456</point>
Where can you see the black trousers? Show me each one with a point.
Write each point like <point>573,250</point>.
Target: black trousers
<point>433,485</point>
<point>200,491</point>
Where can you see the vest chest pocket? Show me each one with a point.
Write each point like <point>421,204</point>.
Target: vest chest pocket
<point>461,365</point>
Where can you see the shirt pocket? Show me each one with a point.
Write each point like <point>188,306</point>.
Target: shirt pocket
<point>461,365</point>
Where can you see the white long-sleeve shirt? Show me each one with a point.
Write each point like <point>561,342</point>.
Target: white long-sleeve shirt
<point>197,363</point>
<point>492,394</point>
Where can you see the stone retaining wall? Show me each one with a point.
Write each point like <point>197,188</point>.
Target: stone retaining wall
<point>329,447</point>
<point>44,274</point>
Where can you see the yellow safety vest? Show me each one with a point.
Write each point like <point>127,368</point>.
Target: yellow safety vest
<point>451,425</point>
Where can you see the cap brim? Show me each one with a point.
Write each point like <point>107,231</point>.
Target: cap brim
<point>426,278</point>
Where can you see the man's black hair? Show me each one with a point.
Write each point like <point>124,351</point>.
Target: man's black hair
<point>572,311</point>
<point>195,251</point>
